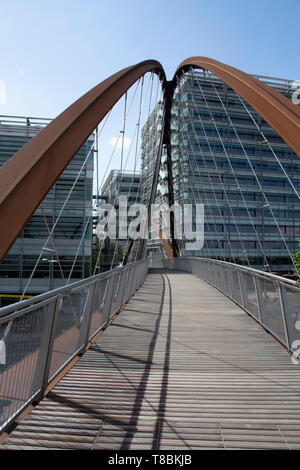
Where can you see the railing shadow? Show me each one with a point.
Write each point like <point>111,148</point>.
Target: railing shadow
<point>140,392</point>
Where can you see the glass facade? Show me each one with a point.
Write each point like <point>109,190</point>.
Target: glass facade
<point>73,232</point>
<point>124,184</point>
<point>225,156</point>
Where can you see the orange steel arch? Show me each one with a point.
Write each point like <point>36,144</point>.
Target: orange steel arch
<point>276,109</point>
<point>28,175</point>
<point>163,240</point>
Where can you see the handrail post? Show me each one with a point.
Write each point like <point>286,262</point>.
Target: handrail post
<point>229,281</point>
<point>125,287</point>
<point>242,287</point>
<point>56,309</point>
<point>86,319</point>
<point>44,351</point>
<point>111,290</point>
<point>258,298</point>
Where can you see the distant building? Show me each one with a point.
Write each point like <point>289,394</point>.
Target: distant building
<point>124,184</point>
<point>16,267</point>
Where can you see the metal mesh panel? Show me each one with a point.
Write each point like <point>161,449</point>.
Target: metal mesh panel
<point>235,286</point>
<point>114,294</point>
<point>98,319</point>
<point>70,315</point>
<point>226,284</point>
<point>45,333</point>
<point>19,359</point>
<point>218,277</point>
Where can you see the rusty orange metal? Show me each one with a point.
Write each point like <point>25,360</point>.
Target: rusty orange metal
<point>276,109</point>
<point>164,241</point>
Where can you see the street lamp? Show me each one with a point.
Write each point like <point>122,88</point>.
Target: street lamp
<point>51,262</point>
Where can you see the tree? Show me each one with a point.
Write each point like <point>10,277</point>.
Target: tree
<point>296,258</point>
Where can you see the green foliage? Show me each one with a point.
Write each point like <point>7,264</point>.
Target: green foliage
<point>296,258</point>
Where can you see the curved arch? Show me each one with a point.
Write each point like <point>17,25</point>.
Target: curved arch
<point>28,175</point>
<point>282,115</point>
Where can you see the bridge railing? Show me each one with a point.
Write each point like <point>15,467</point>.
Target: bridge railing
<point>271,300</point>
<point>39,337</point>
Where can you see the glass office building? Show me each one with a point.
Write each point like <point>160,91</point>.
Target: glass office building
<point>121,183</point>
<point>226,157</point>
<point>150,135</point>
<point>71,245</point>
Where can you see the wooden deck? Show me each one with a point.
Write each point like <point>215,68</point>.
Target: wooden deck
<point>182,367</point>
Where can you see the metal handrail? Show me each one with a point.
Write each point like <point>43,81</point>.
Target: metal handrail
<point>40,336</point>
<point>247,268</point>
<point>17,306</point>
<point>272,301</point>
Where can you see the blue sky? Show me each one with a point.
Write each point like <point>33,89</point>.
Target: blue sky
<point>53,52</point>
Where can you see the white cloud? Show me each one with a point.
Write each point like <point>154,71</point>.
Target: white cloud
<point>114,141</point>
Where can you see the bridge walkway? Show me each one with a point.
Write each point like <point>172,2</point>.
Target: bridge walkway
<point>181,367</point>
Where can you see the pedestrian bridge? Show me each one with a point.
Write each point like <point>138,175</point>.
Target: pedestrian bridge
<point>181,366</point>
<point>192,353</point>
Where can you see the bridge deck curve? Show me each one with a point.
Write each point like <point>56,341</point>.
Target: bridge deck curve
<point>182,367</point>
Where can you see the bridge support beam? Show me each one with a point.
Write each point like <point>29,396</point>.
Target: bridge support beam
<point>169,93</point>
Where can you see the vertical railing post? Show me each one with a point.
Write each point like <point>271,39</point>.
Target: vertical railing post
<point>125,289</point>
<point>140,275</point>
<point>58,303</point>
<point>44,350</point>
<point>283,313</point>
<point>135,281</point>
<point>111,290</point>
<point>86,318</point>
<point>213,274</point>
<point>220,267</point>
<point>259,298</point>
<point>229,281</point>
<point>242,287</point>
<point>107,297</point>
<point>131,282</point>
<point>121,288</point>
